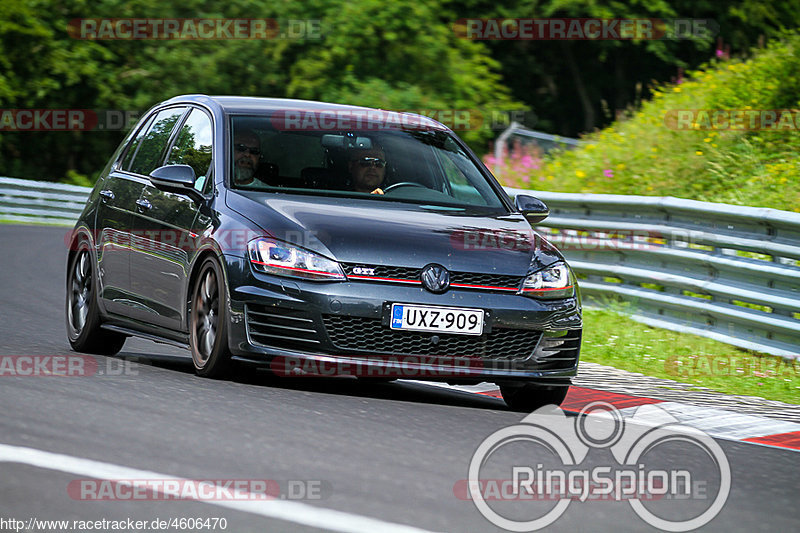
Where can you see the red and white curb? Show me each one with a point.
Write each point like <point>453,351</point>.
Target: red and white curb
<point>717,423</point>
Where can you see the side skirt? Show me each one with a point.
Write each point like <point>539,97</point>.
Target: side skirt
<point>179,340</point>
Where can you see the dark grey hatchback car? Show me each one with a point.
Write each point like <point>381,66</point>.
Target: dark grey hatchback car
<point>321,240</point>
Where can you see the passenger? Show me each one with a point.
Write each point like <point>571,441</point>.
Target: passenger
<point>367,170</point>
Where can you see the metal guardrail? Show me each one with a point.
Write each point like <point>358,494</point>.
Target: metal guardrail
<point>726,272</point>
<point>544,141</point>
<point>721,271</point>
<point>41,201</point>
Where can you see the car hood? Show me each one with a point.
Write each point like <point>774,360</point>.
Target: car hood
<point>392,233</point>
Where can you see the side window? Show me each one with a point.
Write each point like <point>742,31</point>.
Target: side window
<point>193,146</point>
<point>134,144</point>
<point>454,176</point>
<point>148,151</point>
<point>456,169</point>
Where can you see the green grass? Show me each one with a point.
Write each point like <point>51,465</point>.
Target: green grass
<point>33,223</point>
<point>645,154</point>
<point>613,339</point>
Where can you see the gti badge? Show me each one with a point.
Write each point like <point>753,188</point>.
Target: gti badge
<point>435,278</point>
<point>362,271</point>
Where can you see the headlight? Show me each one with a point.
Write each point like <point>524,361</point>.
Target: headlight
<point>555,281</point>
<point>274,257</point>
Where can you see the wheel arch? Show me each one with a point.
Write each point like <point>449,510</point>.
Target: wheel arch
<point>73,240</point>
<point>200,257</point>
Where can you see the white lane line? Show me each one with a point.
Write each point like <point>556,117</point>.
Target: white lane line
<point>481,387</point>
<point>288,511</point>
<point>722,424</point>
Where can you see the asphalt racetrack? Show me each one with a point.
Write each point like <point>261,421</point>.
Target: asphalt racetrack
<point>343,455</point>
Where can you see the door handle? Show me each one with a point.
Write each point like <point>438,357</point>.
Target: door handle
<point>143,204</point>
<point>107,194</point>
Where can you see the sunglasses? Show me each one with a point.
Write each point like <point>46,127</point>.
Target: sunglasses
<point>366,162</point>
<point>244,148</point>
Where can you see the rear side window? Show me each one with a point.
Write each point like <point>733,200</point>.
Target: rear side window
<point>193,144</point>
<point>148,151</point>
<point>134,144</point>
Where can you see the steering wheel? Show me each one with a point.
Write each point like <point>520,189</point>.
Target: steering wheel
<point>403,184</point>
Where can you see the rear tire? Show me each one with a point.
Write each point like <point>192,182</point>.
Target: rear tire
<point>529,397</point>
<point>82,312</point>
<point>208,332</point>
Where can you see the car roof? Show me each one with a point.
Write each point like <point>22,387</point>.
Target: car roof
<point>253,104</point>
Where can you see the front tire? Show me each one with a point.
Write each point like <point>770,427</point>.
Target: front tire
<point>528,397</point>
<point>208,332</point>
<point>82,313</point>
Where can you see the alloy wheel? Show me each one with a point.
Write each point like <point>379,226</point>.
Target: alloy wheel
<point>80,292</point>
<point>206,310</point>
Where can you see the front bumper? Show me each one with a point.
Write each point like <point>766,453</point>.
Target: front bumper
<point>341,328</point>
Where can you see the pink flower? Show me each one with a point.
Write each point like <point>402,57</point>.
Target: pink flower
<point>720,53</point>
<point>608,173</point>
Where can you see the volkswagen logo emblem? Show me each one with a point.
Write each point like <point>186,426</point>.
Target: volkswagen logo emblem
<point>435,278</point>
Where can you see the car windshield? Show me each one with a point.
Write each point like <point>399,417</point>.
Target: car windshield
<point>409,161</point>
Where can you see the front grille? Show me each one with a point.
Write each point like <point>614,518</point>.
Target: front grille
<point>280,327</point>
<point>462,278</point>
<point>486,280</point>
<point>369,335</point>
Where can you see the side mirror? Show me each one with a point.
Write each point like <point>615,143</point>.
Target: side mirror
<point>533,209</point>
<point>176,178</point>
<point>173,176</point>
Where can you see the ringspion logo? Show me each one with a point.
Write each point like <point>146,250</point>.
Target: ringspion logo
<point>657,469</point>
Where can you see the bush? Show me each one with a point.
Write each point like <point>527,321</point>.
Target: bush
<point>641,154</point>
<point>75,178</point>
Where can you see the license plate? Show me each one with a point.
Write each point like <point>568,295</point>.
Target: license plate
<point>437,319</point>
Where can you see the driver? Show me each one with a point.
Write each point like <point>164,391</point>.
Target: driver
<point>367,170</point>
<point>246,156</point>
